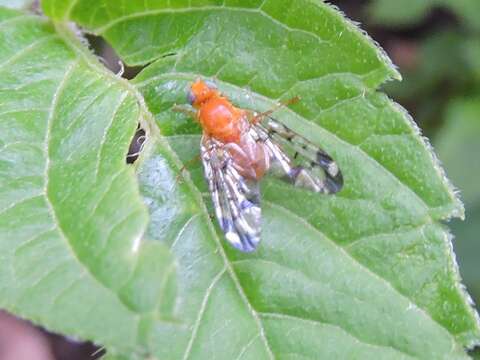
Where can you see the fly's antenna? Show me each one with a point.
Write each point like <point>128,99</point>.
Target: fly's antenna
<point>285,103</point>
<point>185,110</point>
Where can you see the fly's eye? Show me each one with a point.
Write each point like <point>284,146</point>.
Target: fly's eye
<point>211,84</point>
<point>190,97</point>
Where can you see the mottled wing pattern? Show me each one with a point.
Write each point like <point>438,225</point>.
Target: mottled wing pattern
<point>296,160</point>
<point>235,199</point>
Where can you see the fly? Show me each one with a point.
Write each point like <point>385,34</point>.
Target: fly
<point>238,148</point>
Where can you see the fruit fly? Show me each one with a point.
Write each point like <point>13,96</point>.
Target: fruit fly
<point>238,148</point>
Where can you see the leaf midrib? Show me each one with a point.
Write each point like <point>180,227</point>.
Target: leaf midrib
<point>197,197</point>
<point>153,131</point>
<point>51,208</point>
<point>70,40</point>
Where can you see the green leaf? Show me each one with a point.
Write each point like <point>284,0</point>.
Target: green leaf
<point>366,273</point>
<point>317,252</point>
<point>70,212</point>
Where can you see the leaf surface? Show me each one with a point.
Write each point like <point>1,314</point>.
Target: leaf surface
<point>70,212</point>
<point>16,4</point>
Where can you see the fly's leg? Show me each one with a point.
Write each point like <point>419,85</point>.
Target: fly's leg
<point>257,117</point>
<point>189,163</point>
<point>193,114</point>
<point>186,165</point>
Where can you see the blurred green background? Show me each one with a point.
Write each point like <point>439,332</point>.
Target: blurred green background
<point>436,45</point>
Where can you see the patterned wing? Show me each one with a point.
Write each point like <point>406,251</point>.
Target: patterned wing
<point>236,200</point>
<point>298,161</point>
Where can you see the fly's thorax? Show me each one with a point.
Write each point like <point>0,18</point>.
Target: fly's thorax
<point>221,120</point>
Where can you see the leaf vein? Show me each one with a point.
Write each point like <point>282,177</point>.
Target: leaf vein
<point>31,240</point>
<point>225,259</point>
<point>16,111</point>
<point>355,261</point>
<point>24,51</point>
<point>116,225</point>
<point>70,286</point>
<point>107,128</point>
<point>20,202</point>
<point>396,231</point>
<point>120,19</point>
<point>182,230</point>
<point>13,20</point>
<point>68,73</point>
<point>87,106</point>
<point>320,323</point>
<point>45,277</point>
<point>203,306</point>
<point>247,346</point>
<point>113,178</point>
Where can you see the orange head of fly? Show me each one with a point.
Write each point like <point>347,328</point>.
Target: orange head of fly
<point>217,115</point>
<point>200,92</point>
